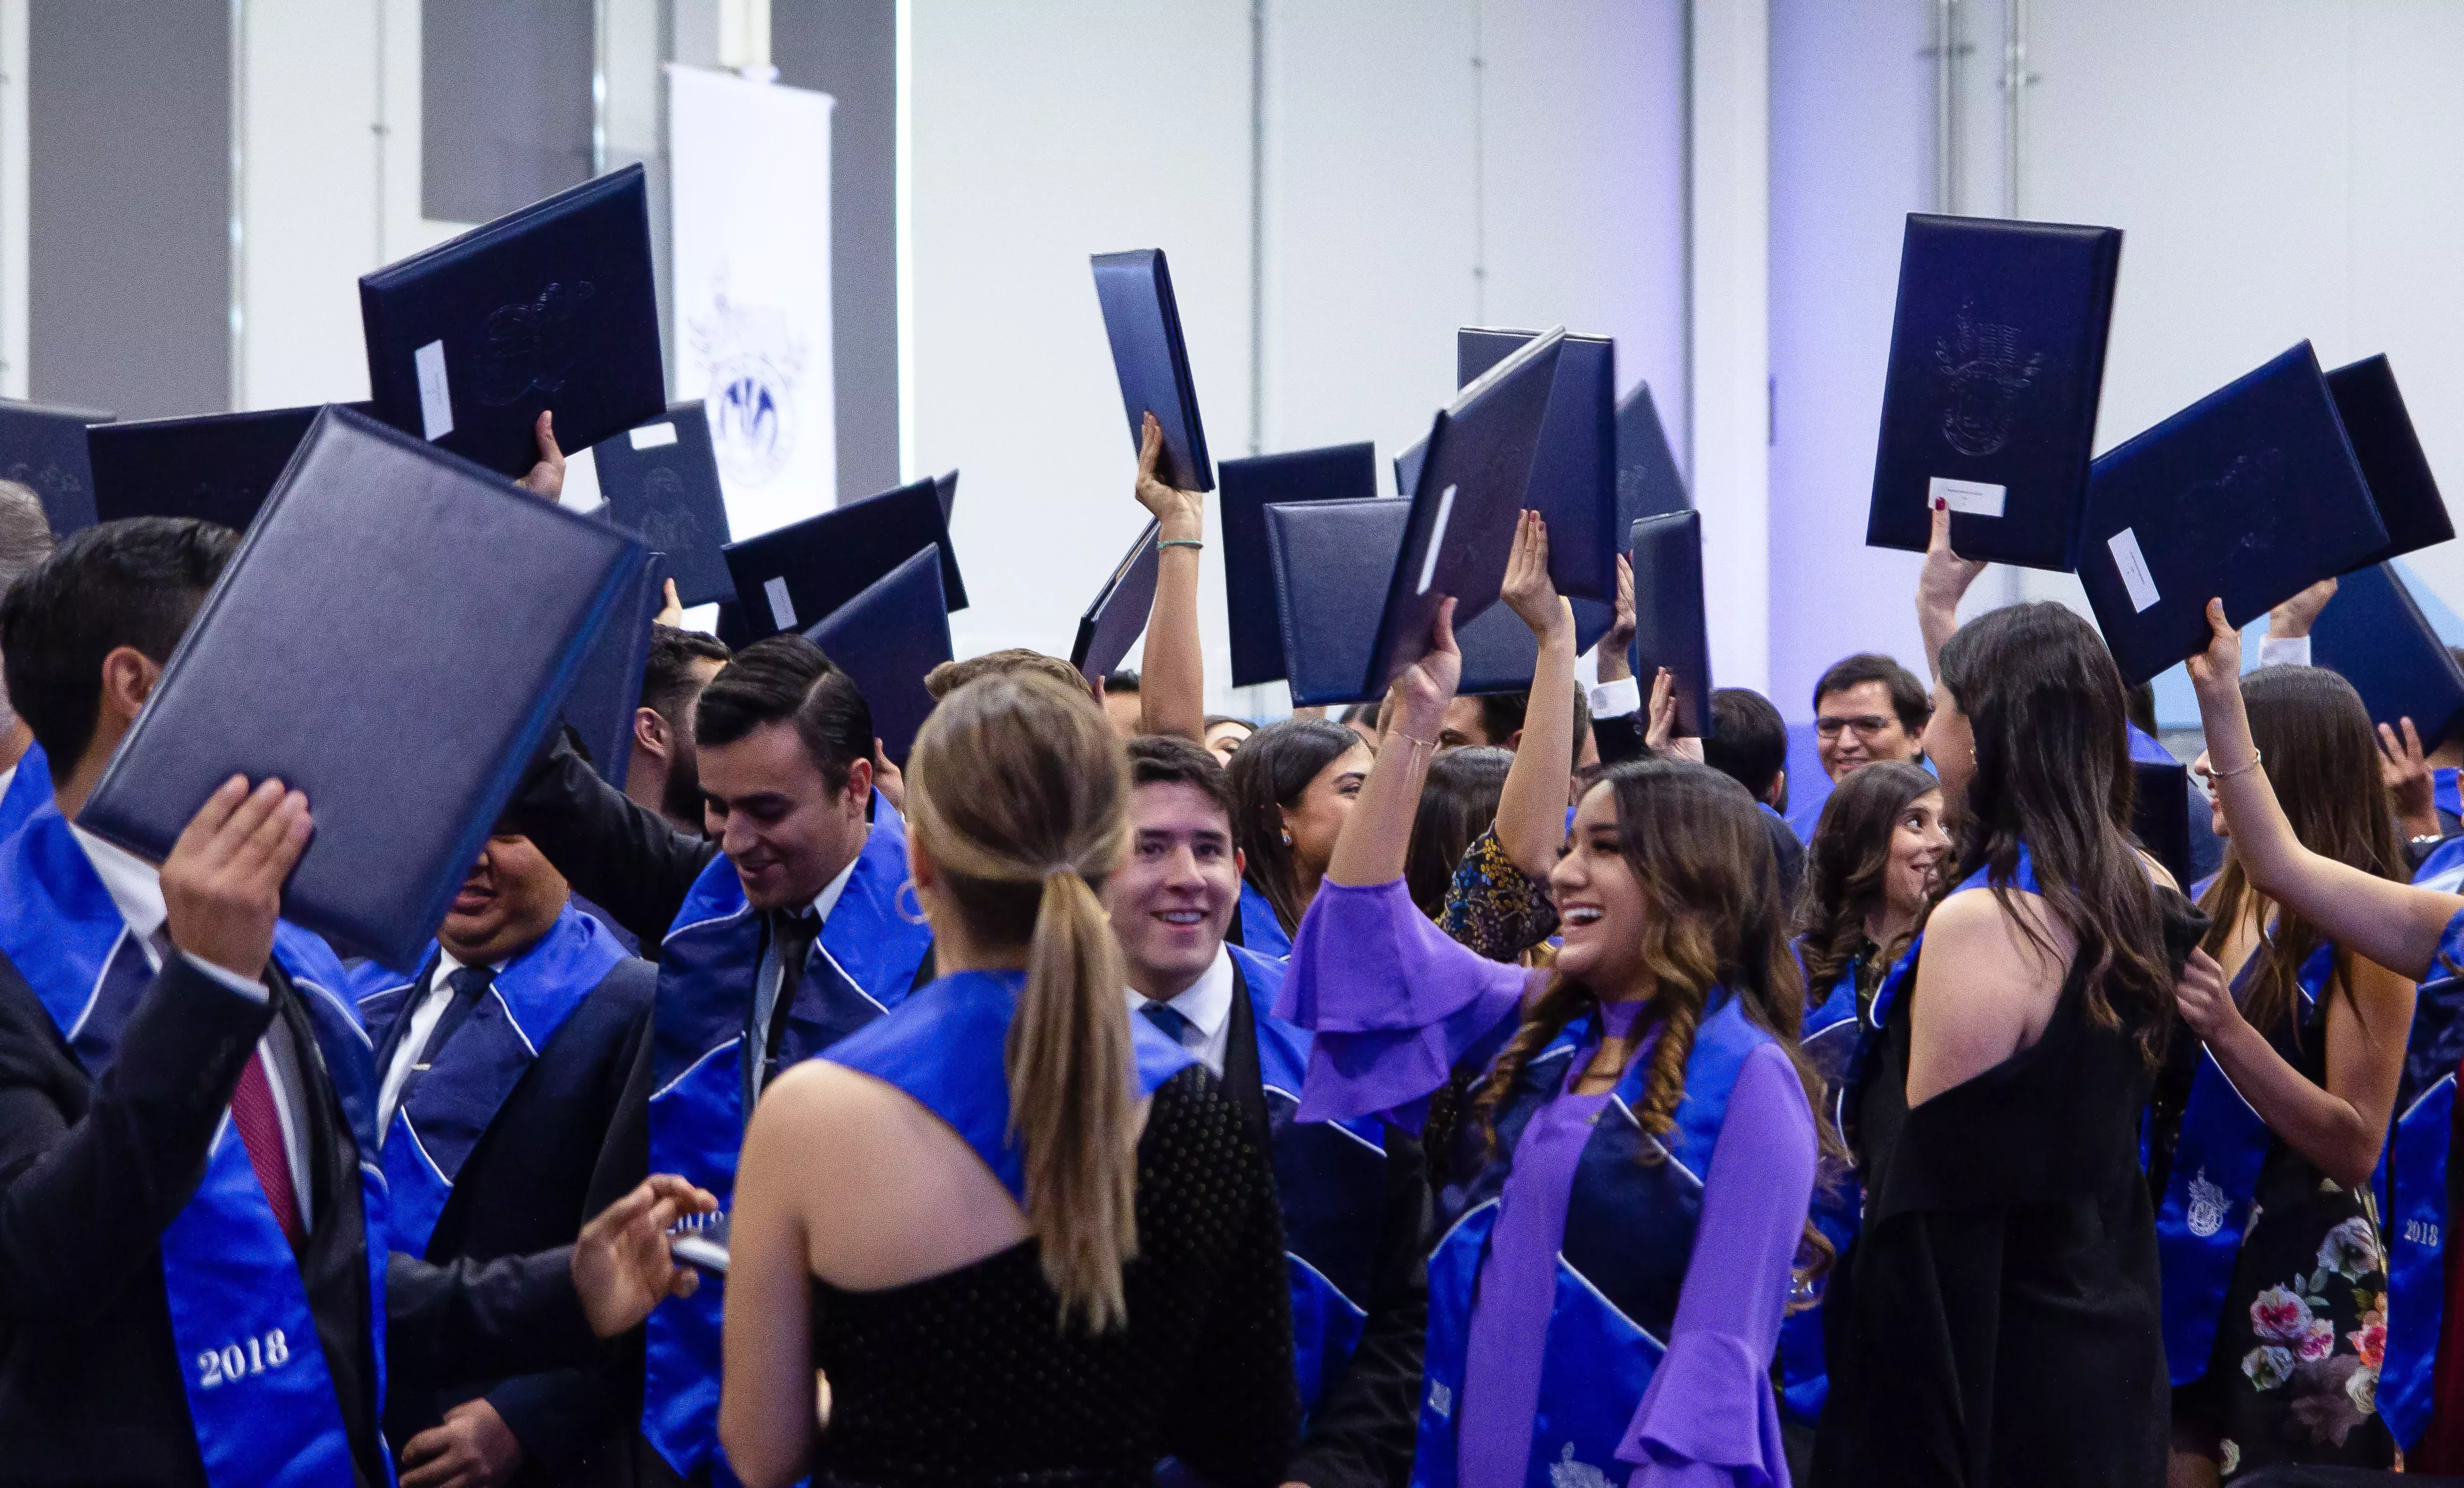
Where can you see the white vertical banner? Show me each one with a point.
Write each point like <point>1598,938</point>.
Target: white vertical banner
<point>751,198</point>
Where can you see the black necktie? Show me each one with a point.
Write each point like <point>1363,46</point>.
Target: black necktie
<point>791,943</point>
<point>469,984</point>
<point>1175,1023</point>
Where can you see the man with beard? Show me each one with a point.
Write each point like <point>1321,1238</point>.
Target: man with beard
<point>665,774</point>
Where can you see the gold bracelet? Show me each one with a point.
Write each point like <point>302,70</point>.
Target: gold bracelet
<point>1413,738</point>
<point>2255,757</point>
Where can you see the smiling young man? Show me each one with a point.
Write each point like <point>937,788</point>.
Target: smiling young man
<point>1868,707</point>
<point>1353,1194</point>
<point>511,1113</point>
<point>780,933</point>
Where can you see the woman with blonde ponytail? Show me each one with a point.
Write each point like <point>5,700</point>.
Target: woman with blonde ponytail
<point>1622,1200</point>
<point>1020,1235</point>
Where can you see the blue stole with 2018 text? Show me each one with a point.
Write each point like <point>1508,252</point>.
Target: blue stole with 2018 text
<point>442,1116</point>
<point>2412,1191</point>
<point>260,1397</point>
<point>862,965</point>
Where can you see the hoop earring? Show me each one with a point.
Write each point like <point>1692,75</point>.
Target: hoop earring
<point>907,891</point>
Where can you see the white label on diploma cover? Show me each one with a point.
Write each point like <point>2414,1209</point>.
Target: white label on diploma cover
<point>435,399</point>
<point>783,610</point>
<point>1974,497</point>
<point>2133,566</point>
<point>653,436</point>
<point>1436,537</point>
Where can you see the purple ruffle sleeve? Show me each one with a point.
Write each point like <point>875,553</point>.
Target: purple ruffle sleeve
<point>1708,1418</point>
<point>1393,1002</point>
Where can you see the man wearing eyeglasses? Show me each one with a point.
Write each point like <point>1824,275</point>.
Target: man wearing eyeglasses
<point>1868,707</point>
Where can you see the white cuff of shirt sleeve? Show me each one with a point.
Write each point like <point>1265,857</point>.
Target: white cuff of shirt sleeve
<point>1617,699</point>
<point>2284,651</point>
<point>247,987</point>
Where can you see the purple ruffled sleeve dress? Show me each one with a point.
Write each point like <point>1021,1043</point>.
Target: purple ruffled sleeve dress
<point>1394,1004</point>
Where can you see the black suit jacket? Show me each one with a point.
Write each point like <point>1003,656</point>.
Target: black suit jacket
<point>92,1172</point>
<point>569,1140</point>
<point>621,856</point>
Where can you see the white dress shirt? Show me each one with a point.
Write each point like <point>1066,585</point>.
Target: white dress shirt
<point>408,1055</point>
<point>136,889</point>
<point>8,779</point>
<point>2284,651</point>
<point>1208,1004</point>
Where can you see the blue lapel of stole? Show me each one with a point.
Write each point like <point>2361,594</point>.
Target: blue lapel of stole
<point>29,790</point>
<point>2412,1184</point>
<point>864,962</point>
<point>1261,933</point>
<point>60,928</point>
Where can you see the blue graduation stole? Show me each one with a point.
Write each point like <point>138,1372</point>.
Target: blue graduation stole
<point>861,966</point>
<point>2444,868</point>
<point>29,790</point>
<point>943,1045</point>
<point>1833,1039</point>
<point>1261,933</point>
<point>2208,1198</point>
<point>444,1114</point>
<point>2023,879</point>
<point>1629,1233</point>
<point>260,1398</point>
<point>1331,1183</point>
<point>2412,1193</point>
<point>2145,750</point>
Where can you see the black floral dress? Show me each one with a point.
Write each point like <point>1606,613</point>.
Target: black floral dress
<point>2294,1371</point>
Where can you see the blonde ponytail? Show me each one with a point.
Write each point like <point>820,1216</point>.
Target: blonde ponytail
<point>1018,794</point>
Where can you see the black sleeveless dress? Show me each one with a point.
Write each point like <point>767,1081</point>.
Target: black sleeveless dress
<point>1996,1321</point>
<point>968,1378</point>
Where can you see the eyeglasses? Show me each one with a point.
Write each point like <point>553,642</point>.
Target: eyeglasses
<point>1866,727</point>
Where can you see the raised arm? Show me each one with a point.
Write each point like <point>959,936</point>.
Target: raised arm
<point>618,854</point>
<point>2396,925</point>
<point>1941,585</point>
<point>1531,809</point>
<point>1371,848</point>
<point>1172,675</point>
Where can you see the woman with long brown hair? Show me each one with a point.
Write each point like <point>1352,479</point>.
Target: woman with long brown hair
<point>1294,782</point>
<point>1996,1321</point>
<point>1023,1234</point>
<point>1627,1193</point>
<point>2274,1285</point>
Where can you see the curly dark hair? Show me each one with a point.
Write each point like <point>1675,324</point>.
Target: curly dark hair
<point>1848,866</point>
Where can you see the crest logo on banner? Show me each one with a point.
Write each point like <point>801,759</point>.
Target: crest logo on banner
<point>755,359</point>
<point>1986,369</point>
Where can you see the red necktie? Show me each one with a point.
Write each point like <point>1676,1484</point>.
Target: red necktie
<point>260,1130</point>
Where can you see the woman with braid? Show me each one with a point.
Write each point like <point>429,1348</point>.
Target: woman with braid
<point>1625,1194</point>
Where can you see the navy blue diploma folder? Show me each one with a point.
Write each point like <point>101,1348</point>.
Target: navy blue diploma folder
<point>1648,484</point>
<point>394,637</point>
<point>607,691</point>
<point>549,307</point>
<point>44,449</point>
<point>1143,324</point>
<point>661,481</point>
<point>217,466</point>
<point>2160,814</point>
<point>2372,409</point>
<point>1997,359</point>
<point>1464,506</point>
<point>1338,472</point>
<point>887,638</point>
<point>1112,623</point>
<point>1573,478</point>
<point>2251,494</point>
<point>2375,635</point>
<point>1669,629</point>
<point>789,579</point>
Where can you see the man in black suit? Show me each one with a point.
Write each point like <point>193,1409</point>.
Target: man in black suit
<point>513,1069</point>
<point>664,773</point>
<point>184,1106</point>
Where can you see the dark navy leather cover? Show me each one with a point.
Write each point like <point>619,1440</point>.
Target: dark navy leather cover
<point>2372,409</point>
<point>1668,621</point>
<point>1338,472</point>
<point>2251,494</point>
<point>661,481</point>
<point>1997,359</point>
<point>43,447</point>
<point>1113,622</point>
<point>887,638</point>
<point>827,560</point>
<point>1331,561</point>
<point>1464,506</point>
<point>946,486</point>
<point>1574,469</point>
<point>549,307</point>
<point>219,467</point>
<point>394,637</point>
<point>607,691</point>
<point>1143,324</point>
<point>1648,482</point>
<point>2160,814</point>
<point>2376,636</point>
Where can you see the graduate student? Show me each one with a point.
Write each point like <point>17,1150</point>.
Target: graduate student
<point>1996,1321</point>
<point>2273,1281</point>
<point>665,771</point>
<point>1867,707</point>
<point>25,540</point>
<point>1636,1145</point>
<point>2412,933</point>
<point>780,936</point>
<point>1022,1233</point>
<point>194,1283</point>
<point>1294,782</point>
<point>513,1068</point>
<point>1353,1194</point>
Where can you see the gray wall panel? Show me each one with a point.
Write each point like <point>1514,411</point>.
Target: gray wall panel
<point>505,104</point>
